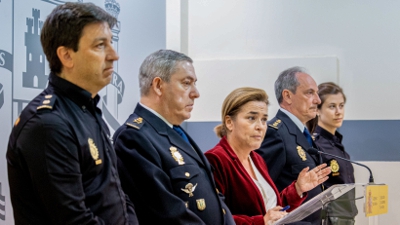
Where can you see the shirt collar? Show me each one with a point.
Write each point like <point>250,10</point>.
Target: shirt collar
<point>157,114</point>
<point>295,120</point>
<point>80,96</point>
<point>324,133</point>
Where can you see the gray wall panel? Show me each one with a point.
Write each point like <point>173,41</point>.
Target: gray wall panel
<point>365,140</point>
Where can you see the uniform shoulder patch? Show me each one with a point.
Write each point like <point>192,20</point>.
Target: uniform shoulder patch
<point>47,102</point>
<point>275,123</point>
<point>135,121</point>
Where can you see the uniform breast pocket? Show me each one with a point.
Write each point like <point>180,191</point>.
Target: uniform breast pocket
<point>184,180</point>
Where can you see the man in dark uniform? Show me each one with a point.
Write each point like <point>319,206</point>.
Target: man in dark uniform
<point>285,145</point>
<point>162,169</point>
<point>61,163</point>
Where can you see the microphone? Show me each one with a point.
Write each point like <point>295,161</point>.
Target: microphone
<point>314,151</point>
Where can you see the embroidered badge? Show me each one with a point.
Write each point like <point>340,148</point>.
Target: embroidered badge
<point>189,189</point>
<point>334,167</point>
<point>201,204</point>
<point>94,152</point>
<point>301,153</point>
<point>176,155</point>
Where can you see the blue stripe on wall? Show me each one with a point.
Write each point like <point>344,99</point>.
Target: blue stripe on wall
<point>365,140</point>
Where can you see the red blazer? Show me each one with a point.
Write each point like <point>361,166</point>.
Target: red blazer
<point>241,193</point>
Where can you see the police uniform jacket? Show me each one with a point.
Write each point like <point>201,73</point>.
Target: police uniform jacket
<point>61,163</point>
<point>342,171</point>
<point>284,150</point>
<point>233,180</point>
<point>168,180</point>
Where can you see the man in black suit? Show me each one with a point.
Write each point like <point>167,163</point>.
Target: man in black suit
<point>161,168</point>
<point>285,145</point>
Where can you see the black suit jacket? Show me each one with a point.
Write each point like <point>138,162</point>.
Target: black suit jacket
<point>156,165</point>
<point>284,149</point>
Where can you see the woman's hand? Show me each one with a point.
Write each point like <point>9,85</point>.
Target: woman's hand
<point>273,215</point>
<point>307,180</point>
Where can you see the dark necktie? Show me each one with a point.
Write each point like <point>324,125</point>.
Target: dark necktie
<point>181,133</point>
<point>308,136</point>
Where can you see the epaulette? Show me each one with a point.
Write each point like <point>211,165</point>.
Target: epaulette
<point>275,124</point>
<point>47,102</point>
<point>135,122</point>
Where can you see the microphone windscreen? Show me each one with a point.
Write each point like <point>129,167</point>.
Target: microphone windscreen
<point>312,151</point>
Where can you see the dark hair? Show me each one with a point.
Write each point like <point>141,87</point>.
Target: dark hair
<point>234,102</point>
<point>324,89</point>
<point>162,63</point>
<point>64,26</point>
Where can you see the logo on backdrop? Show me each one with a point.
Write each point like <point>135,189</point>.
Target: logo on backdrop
<point>115,91</point>
<point>1,95</point>
<point>6,62</point>
<point>2,205</point>
<point>34,77</point>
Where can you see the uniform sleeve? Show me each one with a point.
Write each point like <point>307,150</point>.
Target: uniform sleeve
<point>290,197</point>
<point>146,183</point>
<point>50,150</point>
<point>220,176</point>
<point>273,152</point>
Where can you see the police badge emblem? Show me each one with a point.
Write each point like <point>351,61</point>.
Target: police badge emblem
<point>177,155</point>
<point>189,189</point>
<point>301,153</point>
<point>201,204</point>
<point>94,152</point>
<point>334,167</point>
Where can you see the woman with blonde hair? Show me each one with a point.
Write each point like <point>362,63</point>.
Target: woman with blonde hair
<point>241,174</point>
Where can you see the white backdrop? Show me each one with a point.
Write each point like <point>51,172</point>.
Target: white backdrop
<point>248,42</point>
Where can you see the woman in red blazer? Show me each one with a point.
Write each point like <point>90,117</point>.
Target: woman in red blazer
<point>241,174</point>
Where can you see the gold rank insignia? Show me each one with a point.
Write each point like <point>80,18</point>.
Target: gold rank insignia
<point>47,102</point>
<point>176,155</point>
<point>334,167</point>
<point>94,152</point>
<point>275,124</point>
<point>201,204</point>
<point>138,120</point>
<point>301,153</point>
<point>189,189</point>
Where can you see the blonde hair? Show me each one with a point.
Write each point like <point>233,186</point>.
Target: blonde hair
<point>234,102</point>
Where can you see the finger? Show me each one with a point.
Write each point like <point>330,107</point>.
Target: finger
<point>320,167</point>
<point>322,180</point>
<point>325,171</point>
<point>277,208</point>
<point>305,170</point>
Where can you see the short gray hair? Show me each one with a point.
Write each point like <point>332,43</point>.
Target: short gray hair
<point>287,80</point>
<point>162,63</point>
